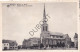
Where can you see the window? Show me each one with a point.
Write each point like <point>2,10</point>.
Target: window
<point>43,28</point>
<point>46,28</point>
<point>13,47</point>
<point>47,41</point>
<point>54,42</point>
<point>61,36</point>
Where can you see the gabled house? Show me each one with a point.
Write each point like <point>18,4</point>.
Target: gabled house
<point>9,45</point>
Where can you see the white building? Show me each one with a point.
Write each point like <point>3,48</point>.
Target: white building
<point>9,45</point>
<point>5,46</point>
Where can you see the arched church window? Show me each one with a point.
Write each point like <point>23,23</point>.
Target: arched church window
<point>46,28</point>
<point>43,28</point>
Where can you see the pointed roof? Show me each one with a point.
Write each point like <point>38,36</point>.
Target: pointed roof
<point>44,15</point>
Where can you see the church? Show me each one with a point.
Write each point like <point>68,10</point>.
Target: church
<point>56,39</point>
<point>47,39</point>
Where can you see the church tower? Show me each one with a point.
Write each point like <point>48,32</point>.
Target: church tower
<point>44,27</point>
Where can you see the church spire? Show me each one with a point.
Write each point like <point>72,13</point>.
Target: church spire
<point>44,15</point>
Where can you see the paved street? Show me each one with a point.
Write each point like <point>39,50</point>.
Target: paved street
<point>44,49</point>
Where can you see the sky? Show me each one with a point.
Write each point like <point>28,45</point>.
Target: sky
<point>19,19</point>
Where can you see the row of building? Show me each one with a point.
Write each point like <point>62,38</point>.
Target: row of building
<point>35,43</point>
